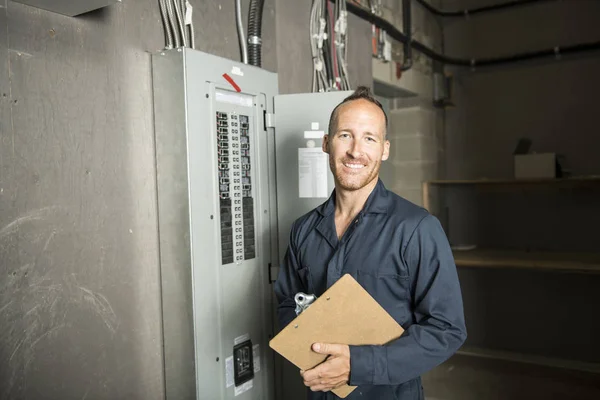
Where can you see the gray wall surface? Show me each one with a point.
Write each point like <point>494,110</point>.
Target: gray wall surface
<point>79,272</point>
<point>555,104</point>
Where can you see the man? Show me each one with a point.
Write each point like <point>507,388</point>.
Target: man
<point>396,250</point>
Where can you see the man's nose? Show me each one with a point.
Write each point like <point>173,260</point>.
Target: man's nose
<point>355,149</point>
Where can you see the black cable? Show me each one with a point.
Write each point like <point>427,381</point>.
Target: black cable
<point>479,10</point>
<point>255,32</point>
<point>327,56</point>
<point>368,16</point>
<point>407,26</point>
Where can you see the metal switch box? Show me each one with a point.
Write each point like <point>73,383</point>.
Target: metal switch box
<point>243,363</point>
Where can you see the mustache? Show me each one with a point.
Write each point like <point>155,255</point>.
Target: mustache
<point>354,160</point>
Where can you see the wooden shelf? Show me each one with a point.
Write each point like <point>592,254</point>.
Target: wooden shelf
<point>576,180</point>
<point>565,262</point>
<point>590,181</point>
<point>530,359</point>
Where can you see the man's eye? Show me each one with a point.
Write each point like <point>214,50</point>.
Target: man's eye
<point>370,139</point>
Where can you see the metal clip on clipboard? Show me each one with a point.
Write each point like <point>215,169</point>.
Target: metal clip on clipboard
<point>303,301</point>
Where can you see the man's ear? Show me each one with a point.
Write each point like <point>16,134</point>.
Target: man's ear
<point>386,151</point>
<point>326,144</point>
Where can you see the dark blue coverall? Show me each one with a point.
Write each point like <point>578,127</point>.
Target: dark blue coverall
<point>399,253</point>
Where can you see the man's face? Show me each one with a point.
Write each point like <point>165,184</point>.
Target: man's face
<point>358,145</point>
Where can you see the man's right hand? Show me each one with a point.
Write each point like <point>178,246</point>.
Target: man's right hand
<point>331,374</point>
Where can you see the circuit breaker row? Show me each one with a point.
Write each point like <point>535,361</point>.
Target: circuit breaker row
<point>235,188</point>
<point>247,193</point>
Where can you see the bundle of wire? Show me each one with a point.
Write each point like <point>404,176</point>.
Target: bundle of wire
<point>177,23</point>
<point>329,45</point>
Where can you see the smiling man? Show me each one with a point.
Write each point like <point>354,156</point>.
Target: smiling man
<point>396,250</point>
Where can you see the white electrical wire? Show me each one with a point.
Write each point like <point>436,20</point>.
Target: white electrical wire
<point>321,81</point>
<point>240,28</point>
<point>341,43</point>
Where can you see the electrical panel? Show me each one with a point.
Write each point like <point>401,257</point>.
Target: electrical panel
<point>217,219</point>
<point>69,8</point>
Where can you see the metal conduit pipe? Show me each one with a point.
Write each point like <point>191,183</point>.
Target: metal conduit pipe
<point>255,32</point>
<point>240,29</point>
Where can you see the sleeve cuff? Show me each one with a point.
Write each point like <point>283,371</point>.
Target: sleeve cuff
<point>361,365</point>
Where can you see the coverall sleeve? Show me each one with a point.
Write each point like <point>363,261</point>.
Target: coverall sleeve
<point>288,284</point>
<point>439,329</point>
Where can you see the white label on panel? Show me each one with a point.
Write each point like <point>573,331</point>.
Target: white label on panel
<point>312,173</point>
<point>225,96</point>
<point>256,357</point>
<point>314,134</point>
<point>314,126</point>
<point>229,380</point>
<point>244,388</point>
<point>241,339</point>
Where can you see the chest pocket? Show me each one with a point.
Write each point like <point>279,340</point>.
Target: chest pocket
<point>390,290</point>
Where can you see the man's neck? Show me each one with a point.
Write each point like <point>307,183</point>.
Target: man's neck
<point>349,203</point>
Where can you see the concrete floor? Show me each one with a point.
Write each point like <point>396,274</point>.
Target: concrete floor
<point>471,378</point>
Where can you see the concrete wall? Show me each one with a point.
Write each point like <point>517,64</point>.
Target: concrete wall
<point>553,103</point>
<point>79,289</point>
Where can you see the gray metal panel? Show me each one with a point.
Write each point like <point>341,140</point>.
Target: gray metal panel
<point>228,301</point>
<point>237,284</point>
<point>68,7</point>
<point>295,113</point>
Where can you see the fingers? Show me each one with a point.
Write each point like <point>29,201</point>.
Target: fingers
<point>327,376</point>
<point>328,369</point>
<point>326,385</point>
<point>331,368</point>
<point>332,349</point>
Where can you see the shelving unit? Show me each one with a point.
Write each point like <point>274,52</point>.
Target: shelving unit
<point>542,261</point>
<point>550,261</point>
<point>578,181</point>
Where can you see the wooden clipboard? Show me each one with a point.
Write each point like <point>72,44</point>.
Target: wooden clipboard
<point>345,314</point>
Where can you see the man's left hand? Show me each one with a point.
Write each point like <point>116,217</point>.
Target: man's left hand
<point>331,374</point>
